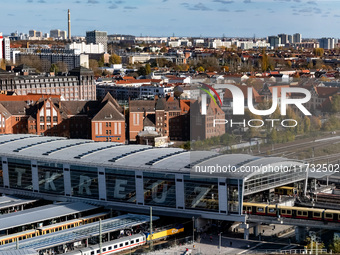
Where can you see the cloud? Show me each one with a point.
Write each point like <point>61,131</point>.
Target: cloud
<point>113,6</point>
<point>223,1</point>
<point>29,1</point>
<point>240,11</point>
<point>336,16</point>
<point>223,10</point>
<point>42,1</point>
<point>312,2</point>
<point>197,7</point>
<point>77,2</point>
<point>247,1</point>
<point>119,2</point>
<point>92,2</point>
<point>298,1</point>
<point>130,8</point>
<point>10,14</point>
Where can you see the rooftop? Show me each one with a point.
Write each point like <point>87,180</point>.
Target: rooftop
<point>173,160</point>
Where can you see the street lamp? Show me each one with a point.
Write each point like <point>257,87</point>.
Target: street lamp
<point>193,229</point>
<point>219,240</point>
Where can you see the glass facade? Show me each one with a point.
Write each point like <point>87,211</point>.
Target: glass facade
<point>233,196</point>
<point>51,178</point>
<point>120,185</point>
<point>159,189</point>
<point>267,180</point>
<point>20,174</point>
<point>201,194</point>
<point>84,182</point>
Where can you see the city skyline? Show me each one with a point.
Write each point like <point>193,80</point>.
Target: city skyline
<point>212,18</point>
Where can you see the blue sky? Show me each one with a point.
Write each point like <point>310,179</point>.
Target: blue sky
<point>244,18</point>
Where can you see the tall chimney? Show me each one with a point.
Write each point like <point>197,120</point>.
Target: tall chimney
<point>69,24</point>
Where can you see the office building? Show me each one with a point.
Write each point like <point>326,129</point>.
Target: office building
<point>58,34</point>
<point>327,43</point>
<point>5,48</point>
<point>96,37</point>
<point>283,38</point>
<point>274,41</point>
<point>297,38</point>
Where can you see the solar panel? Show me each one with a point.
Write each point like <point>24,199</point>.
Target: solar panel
<point>64,147</point>
<point>95,150</point>
<point>128,154</point>
<point>202,160</point>
<point>34,144</point>
<point>155,161</point>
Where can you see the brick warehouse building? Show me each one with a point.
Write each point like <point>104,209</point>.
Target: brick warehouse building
<point>47,115</point>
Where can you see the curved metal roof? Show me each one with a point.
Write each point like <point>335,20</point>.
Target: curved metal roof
<point>135,157</point>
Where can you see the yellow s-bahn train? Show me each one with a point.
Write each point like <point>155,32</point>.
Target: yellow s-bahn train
<point>285,190</point>
<point>51,228</point>
<point>292,212</point>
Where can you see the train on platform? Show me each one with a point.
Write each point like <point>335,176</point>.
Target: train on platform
<point>128,242</point>
<point>292,212</point>
<point>52,228</point>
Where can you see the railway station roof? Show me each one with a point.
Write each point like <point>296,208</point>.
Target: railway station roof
<point>10,201</point>
<point>80,232</point>
<point>134,157</point>
<point>42,213</point>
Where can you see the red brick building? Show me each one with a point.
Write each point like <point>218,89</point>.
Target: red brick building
<point>97,120</point>
<point>167,116</point>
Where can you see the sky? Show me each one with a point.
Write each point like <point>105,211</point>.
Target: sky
<point>208,18</point>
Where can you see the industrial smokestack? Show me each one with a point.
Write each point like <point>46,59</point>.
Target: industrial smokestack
<point>69,24</point>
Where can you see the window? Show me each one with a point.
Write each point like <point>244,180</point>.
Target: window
<point>48,118</point>
<point>104,249</point>
<point>126,243</point>
<point>115,247</point>
<point>55,118</point>
<point>41,118</point>
<point>98,251</point>
<point>110,248</point>
<point>132,241</point>
<point>137,240</point>
<point>328,215</point>
<point>121,245</point>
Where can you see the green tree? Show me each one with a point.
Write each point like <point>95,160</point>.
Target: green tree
<point>54,68</point>
<point>101,61</point>
<point>335,105</point>
<point>115,59</point>
<point>147,69</point>
<point>306,124</point>
<point>141,71</point>
<point>335,245</point>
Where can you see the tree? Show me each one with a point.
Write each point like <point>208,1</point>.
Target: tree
<point>147,69</point>
<point>335,245</point>
<point>318,52</point>
<point>264,61</point>
<point>3,64</point>
<point>101,61</point>
<point>54,68</point>
<point>335,105</point>
<point>306,124</point>
<point>62,66</point>
<point>115,59</point>
<point>200,69</point>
